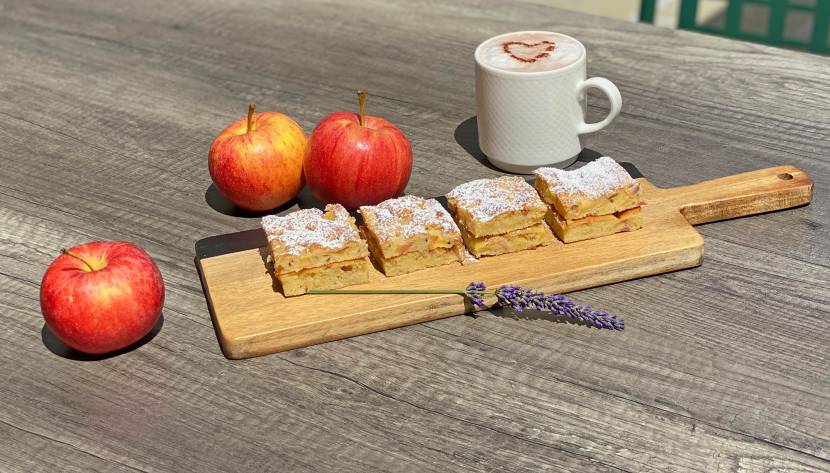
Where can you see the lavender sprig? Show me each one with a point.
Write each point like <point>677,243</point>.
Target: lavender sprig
<point>519,299</point>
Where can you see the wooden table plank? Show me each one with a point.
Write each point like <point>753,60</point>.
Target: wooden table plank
<point>106,113</point>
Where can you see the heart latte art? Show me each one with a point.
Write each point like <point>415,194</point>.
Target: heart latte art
<point>526,52</point>
<point>530,52</point>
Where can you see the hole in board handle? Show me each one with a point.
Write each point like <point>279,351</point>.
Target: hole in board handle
<point>785,176</point>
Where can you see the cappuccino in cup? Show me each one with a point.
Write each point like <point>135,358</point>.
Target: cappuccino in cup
<point>530,52</point>
<point>531,99</point>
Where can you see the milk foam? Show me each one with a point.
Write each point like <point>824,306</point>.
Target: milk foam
<point>530,52</point>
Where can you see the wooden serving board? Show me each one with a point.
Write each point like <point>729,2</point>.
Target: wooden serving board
<point>252,318</point>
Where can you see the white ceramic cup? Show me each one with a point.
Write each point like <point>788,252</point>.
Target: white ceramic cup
<point>532,119</point>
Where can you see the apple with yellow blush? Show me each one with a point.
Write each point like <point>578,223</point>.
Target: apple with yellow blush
<point>257,162</point>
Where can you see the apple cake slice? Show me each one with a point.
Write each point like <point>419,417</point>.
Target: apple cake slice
<point>498,216</point>
<point>314,249</point>
<point>410,233</point>
<point>601,187</point>
<point>593,201</point>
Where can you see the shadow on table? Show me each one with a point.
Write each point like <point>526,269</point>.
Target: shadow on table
<point>466,135</point>
<point>56,346</point>
<point>530,315</point>
<point>221,204</point>
<point>265,254</point>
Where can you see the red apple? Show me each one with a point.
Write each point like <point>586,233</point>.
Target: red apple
<point>257,163</point>
<point>102,296</point>
<point>356,159</point>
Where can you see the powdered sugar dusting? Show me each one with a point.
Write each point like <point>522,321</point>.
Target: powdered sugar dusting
<point>408,216</point>
<point>486,199</point>
<point>596,179</point>
<point>468,258</point>
<point>308,229</point>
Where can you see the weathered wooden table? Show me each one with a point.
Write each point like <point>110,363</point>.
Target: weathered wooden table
<point>106,114</point>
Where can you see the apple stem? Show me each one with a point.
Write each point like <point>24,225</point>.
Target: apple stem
<point>361,101</point>
<point>251,108</point>
<point>66,252</point>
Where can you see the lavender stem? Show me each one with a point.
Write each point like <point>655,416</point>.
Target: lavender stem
<point>384,291</point>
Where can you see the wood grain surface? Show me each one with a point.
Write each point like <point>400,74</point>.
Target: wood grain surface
<point>253,318</point>
<point>107,110</point>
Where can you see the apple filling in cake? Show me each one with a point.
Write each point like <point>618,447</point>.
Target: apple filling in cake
<point>594,226</point>
<point>510,242</point>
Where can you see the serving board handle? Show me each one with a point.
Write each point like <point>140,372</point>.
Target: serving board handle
<point>748,193</point>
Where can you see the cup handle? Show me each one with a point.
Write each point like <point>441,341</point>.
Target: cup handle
<point>614,97</point>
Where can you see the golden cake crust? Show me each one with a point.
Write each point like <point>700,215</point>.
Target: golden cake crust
<point>494,206</point>
<point>601,187</point>
<point>594,226</point>
<point>310,238</point>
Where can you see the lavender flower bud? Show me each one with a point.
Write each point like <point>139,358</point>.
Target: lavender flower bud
<point>475,292</point>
